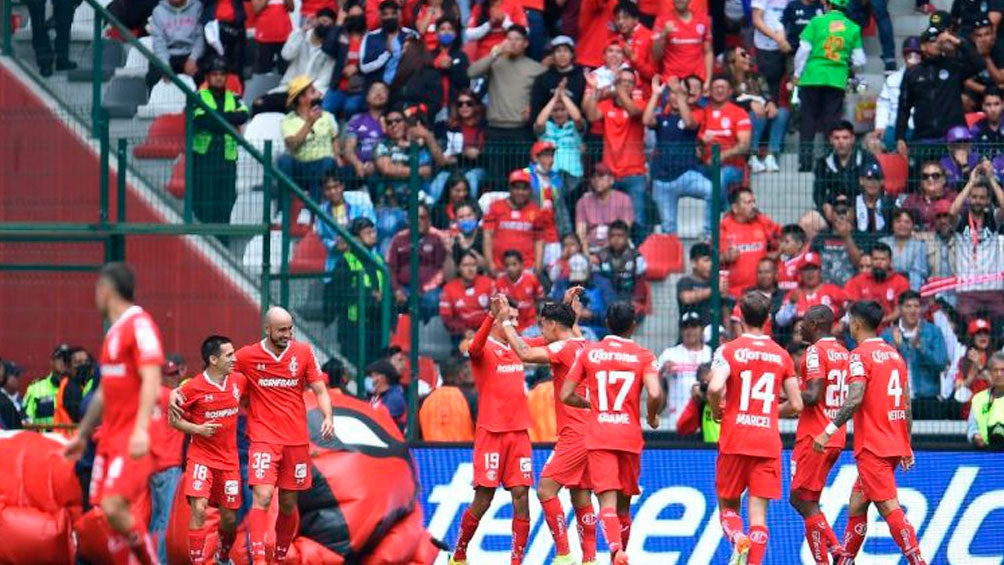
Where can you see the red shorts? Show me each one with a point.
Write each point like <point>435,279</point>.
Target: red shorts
<point>614,470</point>
<point>876,476</point>
<point>809,470</point>
<point>735,473</point>
<point>284,466</point>
<point>221,486</point>
<point>502,458</point>
<point>115,473</point>
<point>568,462</point>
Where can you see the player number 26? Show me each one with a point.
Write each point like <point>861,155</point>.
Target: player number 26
<point>608,378</point>
<point>762,390</point>
<point>836,388</point>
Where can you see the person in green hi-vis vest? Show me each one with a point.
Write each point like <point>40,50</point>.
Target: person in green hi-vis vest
<point>343,295</point>
<point>827,48</point>
<point>985,429</point>
<point>214,152</point>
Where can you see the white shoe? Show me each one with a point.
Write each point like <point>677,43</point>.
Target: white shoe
<point>771,163</point>
<point>756,166</point>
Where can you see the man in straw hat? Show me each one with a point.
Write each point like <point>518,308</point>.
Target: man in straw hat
<point>311,137</point>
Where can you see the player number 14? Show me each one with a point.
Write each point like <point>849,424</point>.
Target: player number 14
<point>606,378</point>
<point>762,390</point>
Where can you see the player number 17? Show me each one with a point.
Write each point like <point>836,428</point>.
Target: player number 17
<point>606,378</point>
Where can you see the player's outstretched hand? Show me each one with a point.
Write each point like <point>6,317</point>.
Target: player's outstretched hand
<point>75,448</point>
<point>209,429</point>
<point>820,441</point>
<point>907,462</point>
<point>328,428</point>
<point>139,443</point>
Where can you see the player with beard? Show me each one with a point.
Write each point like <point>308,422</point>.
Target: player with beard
<point>824,372</point>
<point>559,346</point>
<point>878,398</point>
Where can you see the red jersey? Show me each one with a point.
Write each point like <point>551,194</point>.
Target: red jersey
<point>275,385</point>
<point>640,46</point>
<point>206,401</point>
<point>526,291</point>
<point>756,367</point>
<point>787,271</point>
<point>826,294</point>
<point>863,286</point>
<point>752,240</point>
<point>166,443</point>
<point>463,308</point>
<point>562,355</point>
<point>272,24</point>
<point>498,377</point>
<point>880,422</point>
<point>683,54</point>
<point>596,28</point>
<point>623,137</point>
<point>514,228</point>
<point>133,341</point>
<point>512,11</point>
<point>613,370</point>
<point>724,126</point>
<point>826,359</point>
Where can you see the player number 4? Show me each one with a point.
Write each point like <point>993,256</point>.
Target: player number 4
<point>762,390</point>
<point>607,378</point>
<point>895,389</point>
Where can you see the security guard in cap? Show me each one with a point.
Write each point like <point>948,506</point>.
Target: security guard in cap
<point>341,296</point>
<point>214,152</point>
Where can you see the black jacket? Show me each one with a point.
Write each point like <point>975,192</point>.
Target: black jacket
<point>544,85</point>
<point>832,178</point>
<point>933,90</point>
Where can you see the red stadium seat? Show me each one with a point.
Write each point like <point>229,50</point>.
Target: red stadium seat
<point>176,186</point>
<point>165,140</point>
<point>663,256</point>
<point>896,171</point>
<point>309,255</point>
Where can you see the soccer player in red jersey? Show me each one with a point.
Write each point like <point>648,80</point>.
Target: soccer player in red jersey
<point>131,359</point>
<point>613,371</point>
<point>211,402</point>
<point>824,375</point>
<point>749,372</point>
<point>559,345</point>
<point>278,370</point>
<point>501,441</point>
<point>878,398</point>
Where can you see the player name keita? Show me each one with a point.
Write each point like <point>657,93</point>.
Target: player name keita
<point>895,415</point>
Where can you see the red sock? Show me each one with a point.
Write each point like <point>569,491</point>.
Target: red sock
<point>611,529</point>
<point>758,544</point>
<point>520,533</point>
<point>197,545</point>
<point>854,535</point>
<point>905,536</point>
<point>816,537</point>
<point>285,530</point>
<point>468,525</point>
<point>257,525</point>
<point>226,543</point>
<point>625,520</point>
<point>585,522</point>
<point>141,545</point>
<point>829,535</point>
<point>554,515</point>
<point>732,524</point>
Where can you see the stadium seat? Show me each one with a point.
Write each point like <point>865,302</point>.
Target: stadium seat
<point>309,255</point>
<point>896,171</point>
<point>262,127</point>
<point>112,57</point>
<point>248,208</point>
<point>165,98</point>
<point>258,85</point>
<point>663,255</point>
<point>165,140</point>
<point>301,222</point>
<point>176,185</point>
<point>136,65</point>
<point>123,95</point>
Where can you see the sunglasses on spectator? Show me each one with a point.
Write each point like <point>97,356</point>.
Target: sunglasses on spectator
<point>931,176</point>
<point>393,121</point>
<point>465,103</point>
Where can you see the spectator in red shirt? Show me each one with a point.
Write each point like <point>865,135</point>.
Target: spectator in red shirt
<point>271,29</point>
<point>488,24</point>
<point>624,142</point>
<point>682,43</point>
<point>522,286</point>
<point>516,223</point>
<point>637,40</point>
<point>725,123</point>
<point>881,283</point>
<point>595,30</point>
<point>811,291</point>
<point>792,248</point>
<point>746,237</point>
<point>599,207</point>
<point>431,258</point>
<point>464,302</point>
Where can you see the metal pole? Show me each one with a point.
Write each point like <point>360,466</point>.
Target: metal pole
<point>97,72</point>
<point>716,216</point>
<point>189,165</point>
<point>413,297</point>
<point>104,179</point>
<point>286,208</point>
<point>8,48</point>
<point>266,243</point>
<point>118,240</point>
<point>361,336</point>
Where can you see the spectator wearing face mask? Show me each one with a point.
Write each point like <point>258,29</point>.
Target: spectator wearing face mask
<point>384,388</point>
<point>345,97</point>
<point>887,106</point>
<point>382,49</point>
<point>451,62</point>
<point>467,237</point>
<point>304,53</point>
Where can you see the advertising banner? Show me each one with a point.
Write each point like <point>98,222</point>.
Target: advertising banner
<point>955,500</point>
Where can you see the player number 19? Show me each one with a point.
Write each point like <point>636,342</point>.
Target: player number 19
<point>762,389</point>
<point>605,378</point>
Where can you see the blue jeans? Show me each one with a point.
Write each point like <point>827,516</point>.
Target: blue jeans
<point>667,195</point>
<point>729,175</point>
<point>635,187</point>
<point>778,128</point>
<point>880,9</point>
<point>535,25</point>
<point>428,303</point>
<point>342,104</point>
<point>438,184</point>
<point>306,174</point>
<point>162,487</point>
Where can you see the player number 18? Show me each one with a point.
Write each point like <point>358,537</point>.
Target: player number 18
<point>605,378</point>
<point>762,389</point>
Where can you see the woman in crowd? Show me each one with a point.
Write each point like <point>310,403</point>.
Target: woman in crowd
<point>467,237</point>
<point>465,142</point>
<point>909,253</point>
<point>752,93</point>
<point>444,213</point>
<point>933,189</point>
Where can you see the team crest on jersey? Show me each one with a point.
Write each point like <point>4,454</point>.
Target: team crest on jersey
<point>261,366</point>
<point>293,365</point>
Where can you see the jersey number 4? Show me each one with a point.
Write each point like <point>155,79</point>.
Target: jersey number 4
<point>762,390</point>
<point>895,389</point>
<point>608,378</point>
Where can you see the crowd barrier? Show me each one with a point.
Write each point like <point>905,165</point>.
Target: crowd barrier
<point>954,499</point>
